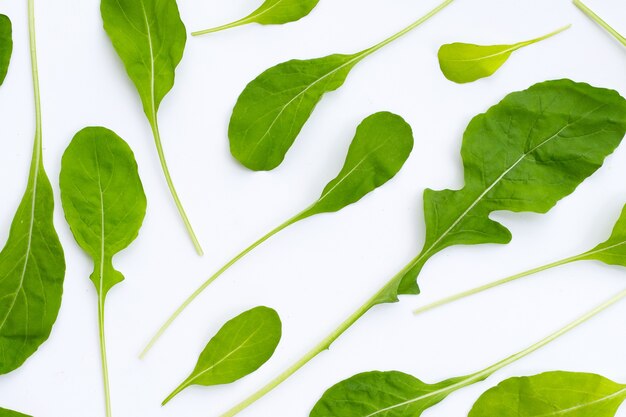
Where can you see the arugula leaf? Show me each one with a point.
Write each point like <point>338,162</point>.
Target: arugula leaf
<point>6,46</point>
<point>381,146</point>
<point>32,264</point>
<point>104,205</point>
<point>590,13</point>
<point>552,394</point>
<point>241,347</point>
<point>271,12</point>
<point>273,108</point>
<point>465,62</point>
<point>9,413</point>
<point>611,252</point>
<point>150,38</point>
<point>525,154</point>
<point>395,394</point>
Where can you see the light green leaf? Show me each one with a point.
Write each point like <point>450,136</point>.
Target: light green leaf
<point>613,251</point>
<point>563,394</point>
<point>32,264</point>
<point>271,12</point>
<point>6,46</point>
<point>150,38</point>
<point>465,62</point>
<point>104,205</point>
<point>274,107</point>
<point>8,413</point>
<point>240,347</point>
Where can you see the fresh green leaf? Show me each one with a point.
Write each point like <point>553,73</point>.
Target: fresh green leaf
<point>271,12</point>
<point>241,347</point>
<point>150,38</point>
<point>525,154</point>
<point>6,46</point>
<point>274,107</point>
<point>8,413</point>
<point>465,62</point>
<point>381,146</point>
<point>104,205</point>
<point>32,264</point>
<point>590,13</point>
<point>566,394</point>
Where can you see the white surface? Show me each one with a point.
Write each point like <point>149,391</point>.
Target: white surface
<point>318,271</point>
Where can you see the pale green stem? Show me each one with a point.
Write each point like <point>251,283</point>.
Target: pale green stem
<point>231,25</point>
<point>494,284</point>
<point>177,391</point>
<point>37,149</point>
<point>544,37</point>
<point>215,276</point>
<point>157,140</point>
<point>600,21</point>
<point>103,355</point>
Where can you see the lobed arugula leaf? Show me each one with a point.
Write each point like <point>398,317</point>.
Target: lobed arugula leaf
<point>381,146</point>
<point>32,263</point>
<point>271,12</point>
<point>104,205</point>
<point>524,154</point>
<point>566,394</point>
<point>274,107</point>
<point>6,46</point>
<point>465,62</point>
<point>150,38</point>
<point>241,347</point>
<point>9,413</point>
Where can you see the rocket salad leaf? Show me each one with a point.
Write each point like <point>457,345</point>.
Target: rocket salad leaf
<point>9,413</point>
<point>104,205</point>
<point>32,264</point>
<point>464,62</point>
<point>6,45</point>
<point>381,146</point>
<point>150,38</point>
<point>271,12</point>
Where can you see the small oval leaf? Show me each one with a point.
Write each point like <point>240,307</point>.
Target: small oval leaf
<point>239,348</point>
<point>382,144</point>
<point>465,62</point>
<point>6,46</point>
<point>552,394</point>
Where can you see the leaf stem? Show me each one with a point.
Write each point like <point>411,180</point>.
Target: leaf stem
<point>230,25</point>
<point>103,354</point>
<point>37,148</point>
<point>549,35</point>
<point>494,284</point>
<point>214,277</point>
<point>600,21</point>
<point>170,183</point>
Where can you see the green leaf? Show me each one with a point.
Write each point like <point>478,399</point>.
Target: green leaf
<point>381,146</point>
<point>565,394</point>
<point>524,155</point>
<point>271,12</point>
<point>6,46</point>
<point>465,62</point>
<point>104,205</point>
<point>32,264</point>
<point>613,251</point>
<point>8,413</point>
<point>274,107</point>
<point>240,347</point>
<point>150,38</point>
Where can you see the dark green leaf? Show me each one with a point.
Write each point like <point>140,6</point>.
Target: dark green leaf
<point>240,347</point>
<point>271,12</point>
<point>6,46</point>
<point>8,413</point>
<point>565,394</point>
<point>465,62</point>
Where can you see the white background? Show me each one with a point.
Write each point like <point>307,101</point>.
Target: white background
<point>318,271</point>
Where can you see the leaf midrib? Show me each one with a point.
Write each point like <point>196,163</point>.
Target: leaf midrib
<point>588,404</point>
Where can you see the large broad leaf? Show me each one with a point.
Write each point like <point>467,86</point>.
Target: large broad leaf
<point>6,46</point>
<point>552,394</point>
<point>523,155</point>
<point>241,346</point>
<point>8,413</point>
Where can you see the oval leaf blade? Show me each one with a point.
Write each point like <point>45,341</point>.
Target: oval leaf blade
<point>563,394</point>
<point>6,46</point>
<point>239,348</point>
<point>273,108</point>
<point>103,199</point>
<point>382,144</point>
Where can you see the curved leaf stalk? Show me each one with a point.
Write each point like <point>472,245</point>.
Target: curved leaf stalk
<point>103,355</point>
<point>236,23</point>
<point>600,21</point>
